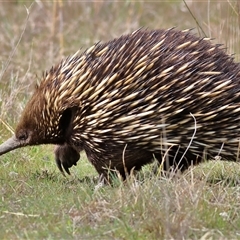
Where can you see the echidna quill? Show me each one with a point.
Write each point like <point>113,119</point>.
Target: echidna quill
<point>163,94</point>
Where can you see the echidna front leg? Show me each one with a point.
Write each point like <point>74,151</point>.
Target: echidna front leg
<point>66,157</point>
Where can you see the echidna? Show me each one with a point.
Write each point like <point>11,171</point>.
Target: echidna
<point>163,94</point>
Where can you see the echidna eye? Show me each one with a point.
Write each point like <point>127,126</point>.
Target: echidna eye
<point>22,135</point>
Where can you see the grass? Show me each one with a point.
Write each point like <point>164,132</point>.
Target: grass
<point>36,201</point>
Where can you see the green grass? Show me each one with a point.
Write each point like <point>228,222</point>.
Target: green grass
<point>36,201</point>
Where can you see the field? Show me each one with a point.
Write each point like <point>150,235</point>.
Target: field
<point>36,201</point>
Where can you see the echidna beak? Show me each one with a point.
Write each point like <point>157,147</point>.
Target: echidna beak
<point>11,144</point>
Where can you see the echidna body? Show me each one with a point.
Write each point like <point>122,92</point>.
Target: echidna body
<point>165,94</point>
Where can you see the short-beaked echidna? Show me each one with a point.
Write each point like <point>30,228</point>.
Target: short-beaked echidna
<point>163,94</point>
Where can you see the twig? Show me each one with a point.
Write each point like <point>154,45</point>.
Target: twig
<point>22,214</point>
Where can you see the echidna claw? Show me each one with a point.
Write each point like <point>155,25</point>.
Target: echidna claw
<point>66,169</point>
<point>59,165</point>
<point>65,157</point>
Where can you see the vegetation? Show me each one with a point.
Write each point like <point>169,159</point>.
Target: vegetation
<point>36,201</point>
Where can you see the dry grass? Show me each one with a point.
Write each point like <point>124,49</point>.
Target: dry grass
<point>36,201</point>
